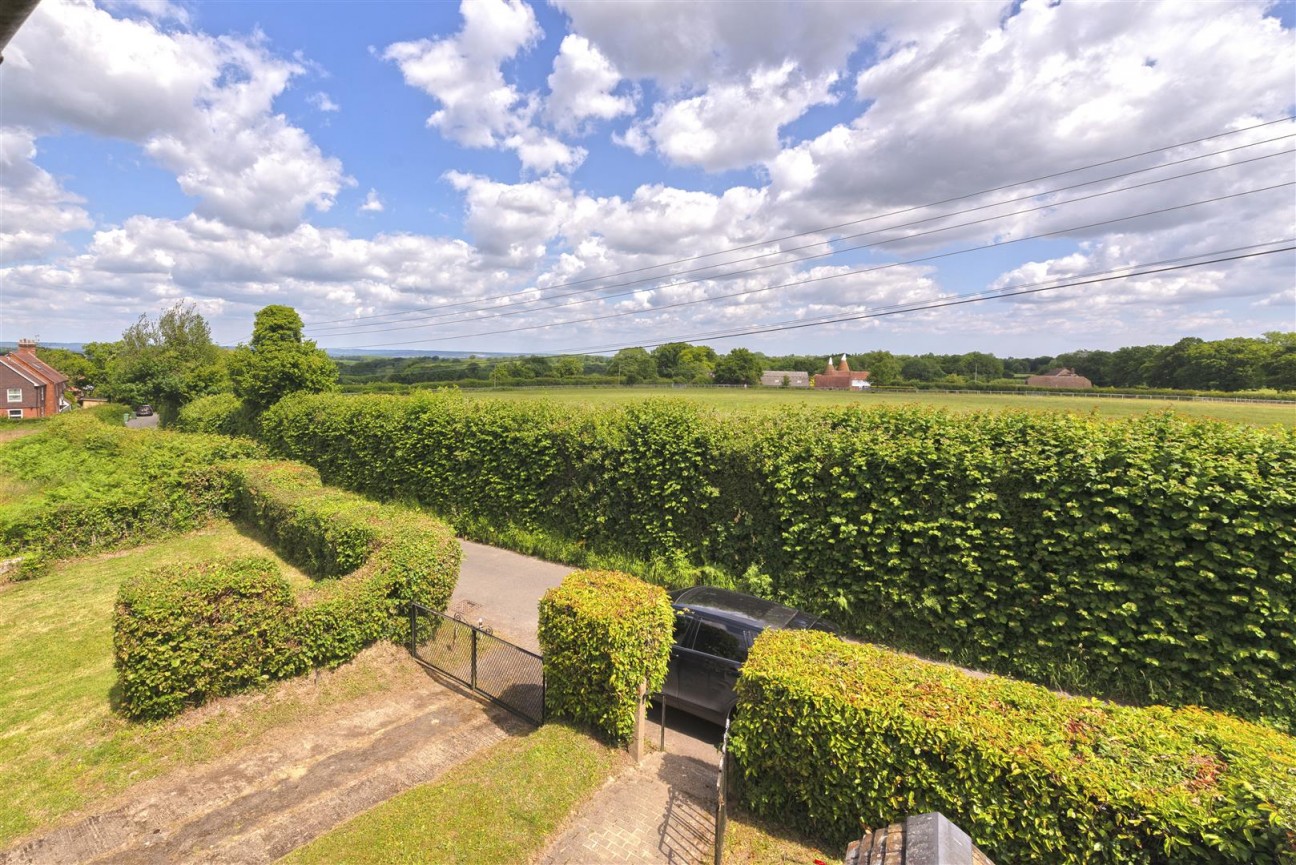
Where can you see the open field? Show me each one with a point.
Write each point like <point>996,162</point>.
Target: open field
<point>775,398</point>
<point>62,747</point>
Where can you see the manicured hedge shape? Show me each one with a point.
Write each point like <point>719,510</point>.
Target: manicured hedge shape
<point>1149,560</point>
<point>191,632</point>
<point>370,561</point>
<point>603,633</point>
<point>830,734</point>
<point>222,413</point>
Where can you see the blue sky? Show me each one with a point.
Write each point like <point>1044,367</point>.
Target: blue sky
<point>436,175</point>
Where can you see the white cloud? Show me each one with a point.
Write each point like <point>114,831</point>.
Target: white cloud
<point>478,107</point>
<point>372,203</point>
<point>581,85</point>
<point>733,125</point>
<point>323,102</point>
<point>201,106</point>
<point>34,208</point>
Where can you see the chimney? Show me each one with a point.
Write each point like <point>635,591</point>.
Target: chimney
<point>845,367</point>
<point>26,346</point>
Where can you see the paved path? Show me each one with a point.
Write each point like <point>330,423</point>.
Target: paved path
<point>503,589</point>
<point>661,811</point>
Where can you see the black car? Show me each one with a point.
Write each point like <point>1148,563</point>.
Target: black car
<point>144,411</point>
<point>714,629</point>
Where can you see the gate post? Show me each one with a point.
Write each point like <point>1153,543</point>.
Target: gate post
<point>636,745</point>
<point>474,658</point>
<point>413,617</point>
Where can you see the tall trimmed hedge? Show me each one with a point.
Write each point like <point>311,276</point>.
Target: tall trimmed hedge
<point>186,634</point>
<point>221,413</point>
<point>829,735</point>
<point>603,634</point>
<point>1150,559</point>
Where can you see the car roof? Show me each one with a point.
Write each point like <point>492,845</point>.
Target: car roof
<point>736,606</point>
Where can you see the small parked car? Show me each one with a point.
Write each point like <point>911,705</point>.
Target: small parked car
<point>714,629</point>
<point>144,411</point>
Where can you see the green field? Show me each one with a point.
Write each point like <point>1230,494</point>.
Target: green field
<point>1259,414</point>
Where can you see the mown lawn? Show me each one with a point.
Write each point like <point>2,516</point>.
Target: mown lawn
<point>501,805</point>
<point>61,745</point>
<point>774,398</point>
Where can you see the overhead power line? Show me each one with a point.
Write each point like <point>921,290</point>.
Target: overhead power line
<point>470,317</point>
<point>956,300</point>
<point>835,227</point>
<point>852,272</point>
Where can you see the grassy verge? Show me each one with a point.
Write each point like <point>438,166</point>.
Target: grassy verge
<point>61,745</point>
<point>500,806</point>
<point>1258,414</point>
<point>750,840</point>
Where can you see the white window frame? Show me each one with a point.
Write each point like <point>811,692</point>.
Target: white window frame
<point>15,414</point>
<point>15,394</point>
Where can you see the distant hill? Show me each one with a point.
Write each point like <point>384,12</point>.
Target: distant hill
<point>6,346</point>
<point>414,352</point>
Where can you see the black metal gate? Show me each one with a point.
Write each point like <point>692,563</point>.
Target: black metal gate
<point>509,675</point>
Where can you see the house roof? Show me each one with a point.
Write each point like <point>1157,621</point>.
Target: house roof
<point>32,368</point>
<point>22,370</point>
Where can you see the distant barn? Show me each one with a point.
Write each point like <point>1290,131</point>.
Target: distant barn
<point>785,378</point>
<point>1059,378</point>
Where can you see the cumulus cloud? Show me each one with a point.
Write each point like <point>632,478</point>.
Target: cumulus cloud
<point>34,208</point>
<point>372,203</point>
<point>581,85</point>
<point>732,125</point>
<point>323,102</point>
<point>479,108</point>
<point>201,106</point>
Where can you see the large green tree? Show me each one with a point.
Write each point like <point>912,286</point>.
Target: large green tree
<point>634,365</point>
<point>278,361</point>
<point>739,366</point>
<point>165,363</point>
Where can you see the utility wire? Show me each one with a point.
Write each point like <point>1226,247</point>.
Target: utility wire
<point>839,225</point>
<point>957,300</point>
<point>431,321</point>
<point>810,280</point>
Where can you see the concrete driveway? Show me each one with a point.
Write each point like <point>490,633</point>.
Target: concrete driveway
<point>148,422</point>
<point>501,590</point>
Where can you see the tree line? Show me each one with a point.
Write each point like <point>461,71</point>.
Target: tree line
<point>1235,364</point>
<point>172,360</point>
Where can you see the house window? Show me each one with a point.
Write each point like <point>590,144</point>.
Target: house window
<point>15,395</point>
<point>15,414</point>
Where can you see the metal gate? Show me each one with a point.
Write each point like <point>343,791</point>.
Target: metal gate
<point>509,675</point>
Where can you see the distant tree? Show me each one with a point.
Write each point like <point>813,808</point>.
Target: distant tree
<point>883,367</point>
<point>667,358</point>
<point>924,368</point>
<point>79,369</point>
<point>634,365</point>
<point>979,366</point>
<point>165,363</point>
<point>278,361</point>
<point>739,366</point>
<point>1280,366</point>
<point>569,366</point>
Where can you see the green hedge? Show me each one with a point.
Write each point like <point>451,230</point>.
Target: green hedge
<point>829,735</point>
<point>369,560</point>
<point>83,485</point>
<point>222,413</point>
<point>1149,559</point>
<point>603,634</point>
<point>191,632</point>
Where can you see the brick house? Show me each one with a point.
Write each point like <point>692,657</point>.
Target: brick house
<point>841,378</point>
<point>1059,378</point>
<point>29,387</point>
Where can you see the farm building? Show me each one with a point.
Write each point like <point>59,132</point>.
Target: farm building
<point>785,377</point>
<point>31,387</point>
<point>841,378</point>
<point>1059,378</point>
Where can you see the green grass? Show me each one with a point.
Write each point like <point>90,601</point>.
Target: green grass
<point>1259,414</point>
<point>61,745</point>
<point>501,805</point>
